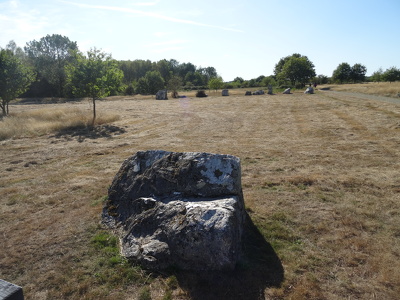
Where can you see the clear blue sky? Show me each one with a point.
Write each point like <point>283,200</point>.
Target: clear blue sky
<point>237,37</point>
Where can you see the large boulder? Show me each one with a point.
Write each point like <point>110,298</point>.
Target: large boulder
<point>178,209</point>
<point>287,91</point>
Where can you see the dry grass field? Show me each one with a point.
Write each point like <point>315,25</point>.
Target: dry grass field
<point>320,176</point>
<point>387,89</point>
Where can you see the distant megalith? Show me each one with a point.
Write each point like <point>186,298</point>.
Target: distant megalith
<point>201,94</point>
<point>287,91</point>
<point>259,92</point>
<point>225,92</point>
<point>173,209</point>
<point>309,90</point>
<point>248,93</point>
<point>162,95</point>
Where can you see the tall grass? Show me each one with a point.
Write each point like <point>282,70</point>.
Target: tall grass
<point>372,88</point>
<point>48,120</point>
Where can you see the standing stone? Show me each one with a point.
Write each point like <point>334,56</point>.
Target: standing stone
<point>270,90</point>
<point>162,95</point>
<point>178,209</point>
<point>309,90</point>
<point>287,91</point>
<point>225,93</point>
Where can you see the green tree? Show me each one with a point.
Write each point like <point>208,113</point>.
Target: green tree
<point>15,78</point>
<point>174,84</point>
<point>377,75</point>
<point>279,66</point>
<point>392,74</point>
<point>17,51</point>
<point>259,80</point>
<point>164,67</point>
<point>95,76</point>
<point>238,79</point>
<point>136,69</point>
<point>358,72</point>
<point>142,86</point>
<point>270,80</point>
<point>196,78</point>
<point>207,74</point>
<point>151,83</point>
<point>342,73</point>
<point>297,70</point>
<point>321,79</point>
<point>155,81</point>
<point>185,68</point>
<point>49,56</point>
<point>215,83</point>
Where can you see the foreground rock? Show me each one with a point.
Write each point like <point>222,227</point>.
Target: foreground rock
<point>178,209</point>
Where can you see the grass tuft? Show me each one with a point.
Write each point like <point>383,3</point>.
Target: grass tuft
<point>43,121</point>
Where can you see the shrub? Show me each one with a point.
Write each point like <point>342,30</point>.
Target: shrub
<point>129,90</point>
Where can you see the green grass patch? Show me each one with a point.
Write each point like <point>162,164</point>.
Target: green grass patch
<point>277,230</point>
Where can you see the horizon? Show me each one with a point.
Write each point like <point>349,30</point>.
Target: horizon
<point>237,39</point>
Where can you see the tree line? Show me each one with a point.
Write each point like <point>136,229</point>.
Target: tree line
<point>54,67</point>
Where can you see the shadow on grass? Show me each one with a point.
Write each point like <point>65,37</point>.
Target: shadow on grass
<point>88,132</point>
<point>45,100</point>
<point>259,268</point>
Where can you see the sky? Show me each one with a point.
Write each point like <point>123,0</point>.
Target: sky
<point>238,38</point>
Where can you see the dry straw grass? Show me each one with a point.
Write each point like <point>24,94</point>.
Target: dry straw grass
<point>382,89</point>
<point>320,176</point>
<point>41,121</point>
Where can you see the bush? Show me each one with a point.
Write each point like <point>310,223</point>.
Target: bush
<point>129,90</point>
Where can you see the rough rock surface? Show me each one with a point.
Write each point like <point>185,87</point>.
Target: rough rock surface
<point>248,93</point>
<point>225,92</point>
<point>162,95</point>
<point>287,91</point>
<point>178,209</point>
